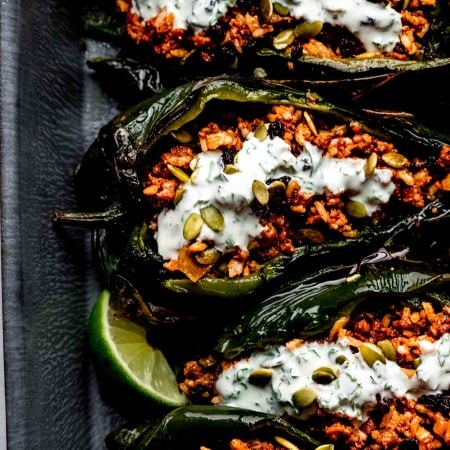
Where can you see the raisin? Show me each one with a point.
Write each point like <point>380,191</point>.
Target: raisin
<point>437,402</point>
<point>260,210</point>
<point>306,166</point>
<point>199,394</point>
<point>226,55</point>
<point>429,53</point>
<point>276,129</point>
<point>245,4</point>
<point>400,49</point>
<point>341,41</point>
<point>217,32</point>
<point>250,45</point>
<point>285,179</point>
<point>228,156</point>
<point>297,50</point>
<point>409,444</point>
<point>349,47</point>
<point>280,206</point>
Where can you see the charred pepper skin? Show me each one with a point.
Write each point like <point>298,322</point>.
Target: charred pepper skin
<point>195,425</point>
<point>111,168</point>
<point>111,173</point>
<point>308,305</point>
<point>104,20</point>
<point>307,309</point>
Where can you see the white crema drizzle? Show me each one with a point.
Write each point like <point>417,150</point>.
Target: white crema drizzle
<point>375,24</point>
<point>263,160</point>
<point>353,393</point>
<point>195,14</point>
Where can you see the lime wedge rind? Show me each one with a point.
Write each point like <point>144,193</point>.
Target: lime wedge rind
<point>120,345</point>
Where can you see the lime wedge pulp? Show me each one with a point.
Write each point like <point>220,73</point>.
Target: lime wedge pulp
<point>120,347</point>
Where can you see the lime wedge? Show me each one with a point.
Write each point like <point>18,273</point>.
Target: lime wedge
<point>120,347</point>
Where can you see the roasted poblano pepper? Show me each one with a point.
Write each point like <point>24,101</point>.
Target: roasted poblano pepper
<point>276,42</point>
<point>111,169</point>
<point>111,174</point>
<point>307,307</point>
<point>137,81</point>
<point>192,426</point>
<point>413,264</point>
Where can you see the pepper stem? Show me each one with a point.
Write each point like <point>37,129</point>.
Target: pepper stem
<point>87,218</point>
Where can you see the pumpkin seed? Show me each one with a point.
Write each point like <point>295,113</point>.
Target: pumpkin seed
<point>192,226</point>
<point>288,445</point>
<point>370,165</point>
<point>281,9</point>
<point>283,39</point>
<point>353,278</point>
<point>212,217</point>
<point>197,247</point>
<point>371,353</point>
<point>356,209</point>
<point>229,169</point>
<point>310,122</point>
<point>408,372</point>
<point>208,256</point>
<point>417,362</point>
<point>142,236</point>
<point>325,447</point>
<point>277,187</point>
<point>308,30</point>
<point>418,56</point>
<point>261,131</point>
<point>207,362</point>
<point>259,72</point>
<point>325,374</point>
<point>342,360</point>
<point>395,160</point>
<point>351,234</point>
<point>194,176</point>
<point>322,377</point>
<point>178,173</point>
<point>252,245</point>
<point>313,236</point>
<point>304,396</point>
<point>266,8</point>
<point>388,349</point>
<point>260,192</point>
<point>193,163</point>
<point>310,410</point>
<point>182,136</point>
<point>260,376</point>
<point>178,195</point>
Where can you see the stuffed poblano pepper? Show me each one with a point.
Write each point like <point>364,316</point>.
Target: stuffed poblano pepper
<point>221,187</point>
<point>282,38</point>
<point>374,366</point>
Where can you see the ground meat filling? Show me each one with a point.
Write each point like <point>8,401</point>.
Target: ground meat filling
<point>291,217</point>
<point>394,424</point>
<point>251,444</point>
<point>247,27</point>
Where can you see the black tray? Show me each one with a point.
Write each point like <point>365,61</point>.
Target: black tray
<point>51,109</point>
